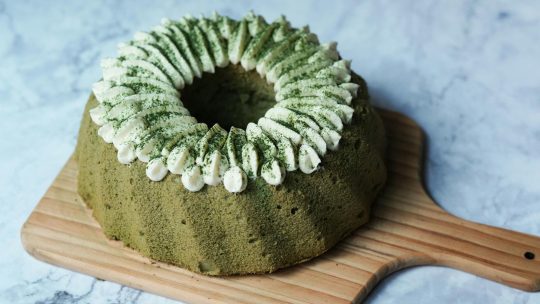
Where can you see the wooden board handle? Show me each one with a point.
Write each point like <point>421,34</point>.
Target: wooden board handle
<point>505,256</point>
<point>420,232</point>
<point>435,236</point>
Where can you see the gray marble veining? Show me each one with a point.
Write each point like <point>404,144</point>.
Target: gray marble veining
<point>467,71</point>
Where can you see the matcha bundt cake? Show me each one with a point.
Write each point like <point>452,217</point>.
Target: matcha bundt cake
<point>229,146</point>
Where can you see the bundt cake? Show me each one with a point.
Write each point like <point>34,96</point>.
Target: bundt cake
<point>229,146</point>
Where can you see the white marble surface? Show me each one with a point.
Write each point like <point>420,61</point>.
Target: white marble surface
<point>467,71</point>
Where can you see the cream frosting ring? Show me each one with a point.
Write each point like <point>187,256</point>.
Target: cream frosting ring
<point>140,109</point>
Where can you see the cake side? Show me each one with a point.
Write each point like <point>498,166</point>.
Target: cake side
<point>216,232</point>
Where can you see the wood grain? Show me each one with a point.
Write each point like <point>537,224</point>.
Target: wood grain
<point>407,229</point>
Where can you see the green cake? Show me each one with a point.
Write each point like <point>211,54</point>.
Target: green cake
<point>291,163</point>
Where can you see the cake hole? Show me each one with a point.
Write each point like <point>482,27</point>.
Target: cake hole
<point>293,210</point>
<point>278,206</point>
<point>529,255</point>
<point>207,267</point>
<point>345,233</point>
<point>363,110</point>
<point>235,97</point>
<point>357,144</point>
<point>183,222</point>
<point>252,240</point>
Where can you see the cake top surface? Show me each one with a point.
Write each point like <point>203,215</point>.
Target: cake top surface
<point>140,109</point>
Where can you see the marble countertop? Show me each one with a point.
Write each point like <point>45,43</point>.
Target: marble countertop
<point>467,71</point>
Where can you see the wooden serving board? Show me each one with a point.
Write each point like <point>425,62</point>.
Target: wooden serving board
<point>407,229</point>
